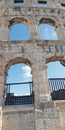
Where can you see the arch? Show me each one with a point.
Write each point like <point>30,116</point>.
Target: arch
<point>17,60</point>
<point>47,27</point>
<point>56,58</point>
<point>19,31</point>
<point>48,21</point>
<point>17,20</point>
<point>18,82</point>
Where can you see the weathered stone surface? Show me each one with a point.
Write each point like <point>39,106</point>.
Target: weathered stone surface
<point>18,118</point>
<point>44,114</point>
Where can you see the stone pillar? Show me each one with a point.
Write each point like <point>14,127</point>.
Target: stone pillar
<point>0,118</point>
<point>61,32</point>
<point>50,3</point>
<point>1,81</point>
<point>35,3</point>
<point>8,3</point>
<point>2,3</point>
<point>44,89</point>
<point>30,3</point>
<point>41,85</point>
<point>2,88</point>
<point>4,33</point>
<point>27,2</point>
<point>34,31</point>
<point>59,35</point>
<point>57,4</point>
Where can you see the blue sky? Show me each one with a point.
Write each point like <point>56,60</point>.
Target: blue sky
<point>47,32</point>
<point>56,70</point>
<point>19,73</point>
<point>22,72</point>
<point>19,32</point>
<point>42,5</point>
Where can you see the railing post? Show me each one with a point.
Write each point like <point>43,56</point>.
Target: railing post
<point>30,88</point>
<point>8,88</point>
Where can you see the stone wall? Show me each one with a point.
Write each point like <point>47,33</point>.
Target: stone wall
<point>33,15</point>
<point>61,106</point>
<point>36,54</point>
<point>18,118</point>
<point>47,117</point>
<point>43,114</point>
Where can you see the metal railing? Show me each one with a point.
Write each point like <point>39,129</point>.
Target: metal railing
<point>57,91</point>
<point>12,99</point>
<point>57,88</point>
<point>19,100</point>
<point>29,85</point>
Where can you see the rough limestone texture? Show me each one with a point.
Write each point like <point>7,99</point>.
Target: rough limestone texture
<point>0,118</point>
<point>44,114</point>
<point>18,118</point>
<point>61,106</point>
<point>48,116</point>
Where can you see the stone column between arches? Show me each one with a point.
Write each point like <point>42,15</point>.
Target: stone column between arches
<point>30,2</point>
<point>34,31</point>
<point>2,86</point>
<point>61,32</point>
<point>46,114</point>
<point>41,84</point>
<point>2,89</point>
<point>44,89</point>
<point>4,32</point>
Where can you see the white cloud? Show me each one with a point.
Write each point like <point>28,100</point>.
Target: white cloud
<point>15,94</point>
<point>46,33</point>
<point>27,71</point>
<point>46,30</point>
<point>50,33</point>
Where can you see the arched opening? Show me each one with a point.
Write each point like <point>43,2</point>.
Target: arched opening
<point>18,3</point>
<point>47,32</point>
<point>19,85</point>
<point>19,73</point>
<point>42,4</point>
<point>63,5</point>
<point>19,31</point>
<point>56,75</point>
